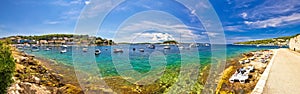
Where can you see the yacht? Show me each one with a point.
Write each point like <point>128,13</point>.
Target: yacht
<point>151,46</point>
<point>34,49</point>
<point>97,52</point>
<point>142,50</point>
<point>167,47</point>
<point>118,51</point>
<point>64,49</point>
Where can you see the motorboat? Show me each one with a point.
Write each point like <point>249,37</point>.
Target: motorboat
<point>63,51</point>
<point>151,46</point>
<point>141,50</point>
<point>181,47</point>
<point>206,44</point>
<point>118,51</point>
<point>84,49</point>
<point>193,45</point>
<point>167,47</point>
<point>34,49</point>
<point>21,49</point>
<point>47,49</point>
<point>97,52</point>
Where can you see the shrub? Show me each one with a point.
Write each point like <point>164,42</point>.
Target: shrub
<point>7,67</point>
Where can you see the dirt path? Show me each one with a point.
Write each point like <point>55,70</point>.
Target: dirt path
<point>284,74</point>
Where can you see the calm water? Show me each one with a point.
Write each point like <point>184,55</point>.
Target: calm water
<point>140,60</point>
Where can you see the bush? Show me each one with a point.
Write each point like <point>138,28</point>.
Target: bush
<point>7,67</point>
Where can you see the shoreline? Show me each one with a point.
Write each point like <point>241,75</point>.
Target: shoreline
<point>225,86</point>
<point>32,75</point>
<point>69,75</point>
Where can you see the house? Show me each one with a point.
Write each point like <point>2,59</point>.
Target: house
<point>294,43</point>
<point>43,42</point>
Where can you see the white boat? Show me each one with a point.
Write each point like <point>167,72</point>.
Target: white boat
<point>21,49</point>
<point>35,49</point>
<point>63,51</point>
<point>167,47</point>
<point>47,49</point>
<point>84,49</point>
<point>151,46</point>
<point>64,46</point>
<point>181,47</point>
<point>193,45</point>
<point>141,50</point>
<point>118,51</point>
<point>207,45</point>
<point>97,52</point>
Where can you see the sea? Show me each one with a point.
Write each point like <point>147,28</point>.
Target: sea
<point>139,60</point>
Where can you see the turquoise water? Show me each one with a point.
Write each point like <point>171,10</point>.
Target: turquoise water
<point>140,60</point>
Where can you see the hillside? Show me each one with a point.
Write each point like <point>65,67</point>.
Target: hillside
<point>273,41</point>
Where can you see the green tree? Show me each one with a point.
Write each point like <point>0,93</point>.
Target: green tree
<point>7,67</point>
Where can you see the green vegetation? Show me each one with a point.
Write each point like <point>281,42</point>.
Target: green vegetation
<point>170,42</point>
<point>66,37</point>
<point>266,41</point>
<point>7,67</point>
<point>272,41</point>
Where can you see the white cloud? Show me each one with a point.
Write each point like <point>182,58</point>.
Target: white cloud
<point>67,3</point>
<point>244,15</point>
<point>275,22</point>
<point>52,22</point>
<point>211,34</point>
<point>234,28</point>
<point>239,39</point>
<point>87,2</point>
<point>270,8</point>
<point>162,32</point>
<point>155,37</point>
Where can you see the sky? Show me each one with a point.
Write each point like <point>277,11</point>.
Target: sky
<point>153,20</point>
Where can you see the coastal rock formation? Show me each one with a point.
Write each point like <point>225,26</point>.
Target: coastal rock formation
<point>31,77</point>
<point>295,43</point>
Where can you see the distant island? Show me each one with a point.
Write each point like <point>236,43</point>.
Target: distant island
<point>58,39</point>
<point>280,41</point>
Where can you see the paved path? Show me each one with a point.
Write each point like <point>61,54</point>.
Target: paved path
<point>284,77</point>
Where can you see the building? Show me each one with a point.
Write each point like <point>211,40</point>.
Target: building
<point>295,43</point>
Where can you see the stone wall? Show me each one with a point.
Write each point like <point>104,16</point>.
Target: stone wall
<point>295,43</point>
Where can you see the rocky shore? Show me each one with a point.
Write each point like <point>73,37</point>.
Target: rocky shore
<point>32,77</point>
<point>225,86</point>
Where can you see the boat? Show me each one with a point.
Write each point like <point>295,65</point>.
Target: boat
<point>97,52</point>
<point>193,45</point>
<point>34,49</point>
<point>142,50</point>
<point>133,49</point>
<point>48,49</point>
<point>21,49</point>
<point>181,47</point>
<point>118,51</point>
<point>64,46</point>
<point>27,47</point>
<point>151,46</point>
<point>167,47</point>
<point>84,49</point>
<point>206,45</point>
<point>64,49</point>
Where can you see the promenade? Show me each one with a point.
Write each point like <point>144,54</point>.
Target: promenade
<point>284,76</point>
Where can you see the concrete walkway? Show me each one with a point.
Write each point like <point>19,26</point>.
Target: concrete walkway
<point>284,77</point>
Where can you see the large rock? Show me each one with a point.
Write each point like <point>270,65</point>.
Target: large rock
<point>295,43</point>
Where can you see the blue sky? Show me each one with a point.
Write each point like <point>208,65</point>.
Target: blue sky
<point>152,21</point>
